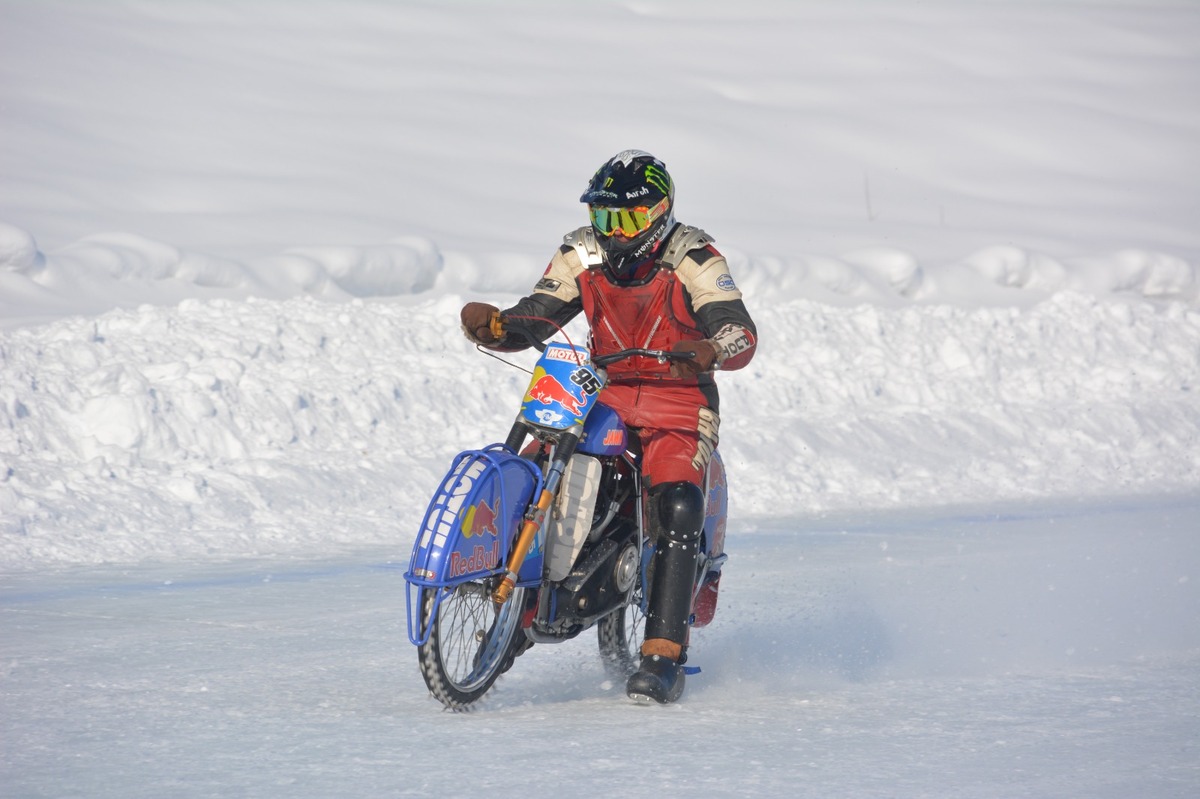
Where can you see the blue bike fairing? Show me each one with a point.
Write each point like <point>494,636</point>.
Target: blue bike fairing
<point>604,433</point>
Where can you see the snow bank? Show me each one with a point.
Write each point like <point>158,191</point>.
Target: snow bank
<point>222,428</point>
<point>123,270</point>
<point>866,406</point>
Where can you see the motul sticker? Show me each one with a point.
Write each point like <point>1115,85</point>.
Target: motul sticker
<point>565,354</point>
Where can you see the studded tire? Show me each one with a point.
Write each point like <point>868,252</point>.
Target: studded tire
<point>472,642</point>
<point>620,637</point>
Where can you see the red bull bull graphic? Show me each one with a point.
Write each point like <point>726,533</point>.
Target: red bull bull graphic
<point>480,519</point>
<point>548,391</point>
<point>562,390</point>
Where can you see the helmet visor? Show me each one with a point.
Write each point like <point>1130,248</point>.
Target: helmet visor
<point>626,222</point>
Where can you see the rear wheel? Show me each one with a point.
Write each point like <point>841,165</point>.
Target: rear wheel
<point>621,635</point>
<point>473,641</point>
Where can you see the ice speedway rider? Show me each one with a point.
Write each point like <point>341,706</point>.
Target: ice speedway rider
<point>644,280</point>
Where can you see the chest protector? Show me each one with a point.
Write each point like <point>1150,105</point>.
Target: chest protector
<point>652,314</point>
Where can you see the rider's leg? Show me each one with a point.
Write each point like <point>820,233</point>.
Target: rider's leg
<point>678,433</point>
<point>677,511</point>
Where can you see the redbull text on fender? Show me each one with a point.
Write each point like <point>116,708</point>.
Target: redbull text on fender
<point>481,559</point>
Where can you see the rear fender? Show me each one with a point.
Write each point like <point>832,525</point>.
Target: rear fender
<point>716,508</point>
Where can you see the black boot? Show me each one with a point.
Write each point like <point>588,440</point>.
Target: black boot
<point>658,679</point>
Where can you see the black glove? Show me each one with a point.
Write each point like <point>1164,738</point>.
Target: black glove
<point>704,358</point>
<point>477,322</point>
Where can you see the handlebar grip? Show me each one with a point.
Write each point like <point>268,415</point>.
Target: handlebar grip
<point>496,324</point>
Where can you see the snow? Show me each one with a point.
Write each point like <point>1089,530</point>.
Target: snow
<point>965,466</point>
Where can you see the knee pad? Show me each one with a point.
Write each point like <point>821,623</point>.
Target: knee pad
<point>678,514</point>
<point>679,511</point>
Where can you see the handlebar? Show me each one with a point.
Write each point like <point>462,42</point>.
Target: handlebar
<point>501,325</point>
<point>662,356</point>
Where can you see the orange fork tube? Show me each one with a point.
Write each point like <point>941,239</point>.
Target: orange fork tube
<point>521,549</point>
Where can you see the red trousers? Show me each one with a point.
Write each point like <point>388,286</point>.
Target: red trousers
<point>666,418</point>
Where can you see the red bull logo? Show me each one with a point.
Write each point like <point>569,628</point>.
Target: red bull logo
<point>549,391</point>
<point>481,559</point>
<point>479,520</point>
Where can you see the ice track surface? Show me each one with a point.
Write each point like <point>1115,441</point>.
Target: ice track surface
<point>1045,649</point>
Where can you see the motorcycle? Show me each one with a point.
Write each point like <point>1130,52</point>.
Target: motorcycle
<point>539,543</point>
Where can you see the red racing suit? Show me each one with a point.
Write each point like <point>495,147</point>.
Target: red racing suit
<point>684,294</point>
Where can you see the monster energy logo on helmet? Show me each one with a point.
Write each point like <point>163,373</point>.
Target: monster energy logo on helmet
<point>658,178</point>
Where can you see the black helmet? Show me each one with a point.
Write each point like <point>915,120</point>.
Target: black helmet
<point>631,204</point>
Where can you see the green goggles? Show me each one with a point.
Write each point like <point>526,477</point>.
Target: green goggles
<point>626,222</point>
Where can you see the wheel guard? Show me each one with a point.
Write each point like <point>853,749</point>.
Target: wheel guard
<point>469,528</point>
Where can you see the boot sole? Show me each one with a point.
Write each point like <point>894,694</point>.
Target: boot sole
<point>644,698</point>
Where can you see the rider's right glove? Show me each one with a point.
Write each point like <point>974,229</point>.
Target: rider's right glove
<point>477,322</point>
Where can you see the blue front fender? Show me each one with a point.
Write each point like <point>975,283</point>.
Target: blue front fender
<point>469,528</point>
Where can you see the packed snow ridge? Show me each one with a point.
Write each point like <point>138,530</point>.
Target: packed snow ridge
<point>311,399</point>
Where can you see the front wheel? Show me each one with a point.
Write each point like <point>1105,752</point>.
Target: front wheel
<point>472,642</point>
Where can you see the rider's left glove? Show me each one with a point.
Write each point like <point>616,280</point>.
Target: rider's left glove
<point>477,322</point>
<point>704,359</point>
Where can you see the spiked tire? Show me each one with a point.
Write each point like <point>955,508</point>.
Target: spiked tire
<point>620,636</point>
<point>472,642</point>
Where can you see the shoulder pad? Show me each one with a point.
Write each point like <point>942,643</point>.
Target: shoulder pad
<point>583,241</point>
<point>686,239</point>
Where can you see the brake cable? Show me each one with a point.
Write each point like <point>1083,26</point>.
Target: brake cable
<point>491,354</point>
